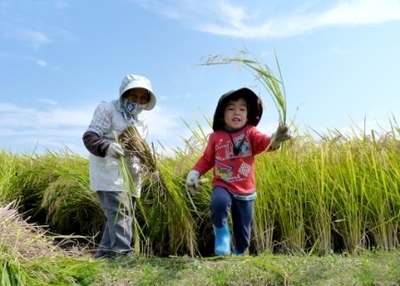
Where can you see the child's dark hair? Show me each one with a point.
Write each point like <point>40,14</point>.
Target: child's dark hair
<point>236,97</point>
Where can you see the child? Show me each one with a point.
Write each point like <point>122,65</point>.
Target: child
<point>135,95</point>
<point>230,152</point>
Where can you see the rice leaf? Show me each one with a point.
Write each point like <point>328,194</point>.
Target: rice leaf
<point>262,72</point>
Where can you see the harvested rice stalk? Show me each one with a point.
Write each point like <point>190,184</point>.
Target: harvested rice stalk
<point>133,143</point>
<point>272,83</point>
<point>262,72</point>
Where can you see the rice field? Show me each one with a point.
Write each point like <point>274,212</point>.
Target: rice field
<point>335,194</point>
<point>329,196</point>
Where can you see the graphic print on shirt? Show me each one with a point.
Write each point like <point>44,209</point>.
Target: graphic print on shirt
<point>223,171</point>
<point>232,167</point>
<point>244,147</point>
<point>244,169</point>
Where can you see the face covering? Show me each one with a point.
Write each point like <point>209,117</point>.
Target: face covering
<point>133,108</point>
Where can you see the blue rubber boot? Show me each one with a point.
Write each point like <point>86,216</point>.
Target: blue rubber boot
<point>222,240</point>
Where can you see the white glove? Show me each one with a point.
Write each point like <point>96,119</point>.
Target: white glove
<point>115,150</point>
<point>282,134</point>
<point>192,182</point>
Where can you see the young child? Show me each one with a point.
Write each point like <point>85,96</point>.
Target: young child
<point>135,95</point>
<point>230,152</point>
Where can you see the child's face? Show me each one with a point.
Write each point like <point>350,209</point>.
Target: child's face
<point>137,95</point>
<point>235,114</point>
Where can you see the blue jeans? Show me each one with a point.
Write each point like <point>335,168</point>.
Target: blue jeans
<point>242,216</point>
<point>117,234</point>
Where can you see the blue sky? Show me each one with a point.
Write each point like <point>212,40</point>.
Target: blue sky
<point>58,59</point>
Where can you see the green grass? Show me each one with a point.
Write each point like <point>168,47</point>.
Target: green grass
<point>27,256</point>
<point>368,268</point>
<point>325,207</point>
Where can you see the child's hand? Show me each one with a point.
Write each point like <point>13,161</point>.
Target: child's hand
<point>115,150</point>
<point>282,134</point>
<point>192,182</point>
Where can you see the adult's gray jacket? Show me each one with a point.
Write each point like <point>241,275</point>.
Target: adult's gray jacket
<point>105,172</point>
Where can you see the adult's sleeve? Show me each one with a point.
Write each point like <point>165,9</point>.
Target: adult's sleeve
<point>95,144</point>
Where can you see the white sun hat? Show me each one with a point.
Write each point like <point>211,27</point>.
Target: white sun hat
<point>132,81</point>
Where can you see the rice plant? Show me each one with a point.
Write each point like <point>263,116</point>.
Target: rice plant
<point>337,193</point>
<point>8,170</point>
<point>272,82</point>
<point>27,256</point>
<point>53,189</point>
<point>163,205</point>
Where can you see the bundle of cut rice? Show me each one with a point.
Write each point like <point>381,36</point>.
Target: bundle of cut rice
<point>132,142</point>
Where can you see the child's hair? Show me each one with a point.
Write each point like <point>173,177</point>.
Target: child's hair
<point>236,97</point>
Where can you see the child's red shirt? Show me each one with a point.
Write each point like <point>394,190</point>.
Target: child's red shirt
<point>233,172</point>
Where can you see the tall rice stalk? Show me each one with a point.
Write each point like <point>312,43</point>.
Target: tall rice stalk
<point>336,193</point>
<point>166,216</point>
<point>382,187</point>
<point>318,200</point>
<point>262,72</point>
<point>283,203</point>
<point>71,206</point>
<point>53,189</point>
<point>8,170</point>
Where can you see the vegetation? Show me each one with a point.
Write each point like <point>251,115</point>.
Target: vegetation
<point>28,258</point>
<point>273,83</point>
<point>332,202</point>
<point>327,213</point>
<point>369,268</point>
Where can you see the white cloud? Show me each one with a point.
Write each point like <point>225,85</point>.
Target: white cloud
<point>35,39</point>
<point>224,18</point>
<point>47,101</point>
<point>41,63</point>
<point>17,117</point>
<point>161,7</point>
<point>28,129</point>
<point>57,128</point>
<point>360,12</point>
<point>20,58</point>
<point>35,23</point>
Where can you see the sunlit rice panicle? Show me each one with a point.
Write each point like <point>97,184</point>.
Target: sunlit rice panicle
<point>262,72</point>
<point>133,143</point>
<point>165,197</point>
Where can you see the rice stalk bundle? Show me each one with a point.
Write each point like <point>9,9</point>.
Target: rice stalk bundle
<point>168,221</point>
<point>132,142</point>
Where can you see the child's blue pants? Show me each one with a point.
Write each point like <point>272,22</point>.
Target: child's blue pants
<point>242,216</point>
